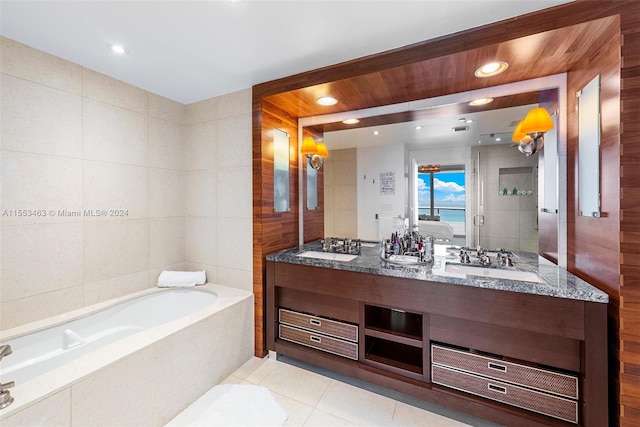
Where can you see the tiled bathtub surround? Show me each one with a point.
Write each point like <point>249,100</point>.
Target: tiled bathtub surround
<point>156,372</point>
<point>75,140</point>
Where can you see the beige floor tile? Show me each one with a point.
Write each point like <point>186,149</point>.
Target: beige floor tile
<point>320,418</point>
<point>312,400</point>
<point>261,372</point>
<point>233,379</point>
<point>409,416</point>
<point>296,383</point>
<point>356,405</point>
<point>298,412</point>
<point>249,367</point>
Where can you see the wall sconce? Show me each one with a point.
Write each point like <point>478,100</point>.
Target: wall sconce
<point>315,152</point>
<point>529,134</point>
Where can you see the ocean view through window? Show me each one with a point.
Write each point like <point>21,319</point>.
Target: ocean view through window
<point>442,195</point>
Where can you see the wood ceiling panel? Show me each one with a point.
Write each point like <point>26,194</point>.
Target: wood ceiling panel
<point>442,111</point>
<point>538,55</point>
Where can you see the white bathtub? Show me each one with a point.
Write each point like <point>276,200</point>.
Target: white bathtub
<point>136,360</point>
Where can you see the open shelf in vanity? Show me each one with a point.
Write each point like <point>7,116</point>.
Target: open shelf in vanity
<point>393,340</point>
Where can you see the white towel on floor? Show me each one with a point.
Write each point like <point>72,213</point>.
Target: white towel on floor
<point>176,279</point>
<point>233,405</point>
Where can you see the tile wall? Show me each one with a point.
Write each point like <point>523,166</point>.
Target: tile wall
<point>340,194</point>
<point>509,221</point>
<point>75,143</point>
<point>218,226</point>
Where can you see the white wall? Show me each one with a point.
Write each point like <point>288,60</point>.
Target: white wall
<point>73,139</point>
<point>371,162</point>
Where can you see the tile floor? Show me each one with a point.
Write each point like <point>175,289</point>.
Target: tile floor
<point>315,397</point>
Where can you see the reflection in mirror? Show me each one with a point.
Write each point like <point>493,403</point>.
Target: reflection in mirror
<point>589,149</point>
<point>281,171</point>
<point>550,160</point>
<point>463,190</point>
<point>476,141</point>
<point>312,188</point>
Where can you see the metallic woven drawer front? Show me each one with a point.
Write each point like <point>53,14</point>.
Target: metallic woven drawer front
<point>334,328</point>
<point>320,342</point>
<point>536,378</point>
<point>532,400</point>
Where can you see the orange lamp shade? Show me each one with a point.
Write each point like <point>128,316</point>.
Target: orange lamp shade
<point>322,150</point>
<point>308,146</point>
<point>537,120</point>
<point>518,135</point>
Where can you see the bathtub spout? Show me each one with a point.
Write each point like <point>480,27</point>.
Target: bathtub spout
<point>5,395</point>
<point>5,350</point>
<point>70,339</point>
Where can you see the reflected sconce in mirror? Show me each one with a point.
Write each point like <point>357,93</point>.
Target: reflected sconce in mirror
<point>315,152</point>
<point>529,134</point>
<point>428,168</point>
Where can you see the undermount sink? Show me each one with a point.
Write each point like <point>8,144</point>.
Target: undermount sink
<point>329,256</point>
<point>523,276</point>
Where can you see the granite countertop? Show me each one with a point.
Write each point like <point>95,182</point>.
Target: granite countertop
<point>558,282</point>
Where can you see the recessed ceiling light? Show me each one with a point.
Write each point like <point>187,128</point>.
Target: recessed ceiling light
<point>498,139</point>
<point>418,127</point>
<point>350,121</point>
<point>481,101</point>
<point>326,100</point>
<point>118,48</point>
<point>375,132</point>
<point>469,121</point>
<point>491,69</point>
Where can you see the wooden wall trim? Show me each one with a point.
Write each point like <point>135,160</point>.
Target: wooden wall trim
<point>629,324</point>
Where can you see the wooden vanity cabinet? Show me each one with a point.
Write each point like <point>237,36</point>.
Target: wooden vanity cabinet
<point>400,321</point>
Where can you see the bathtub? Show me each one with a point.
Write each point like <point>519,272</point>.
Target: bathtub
<point>136,360</point>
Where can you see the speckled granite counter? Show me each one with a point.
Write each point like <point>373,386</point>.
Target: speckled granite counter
<point>558,281</point>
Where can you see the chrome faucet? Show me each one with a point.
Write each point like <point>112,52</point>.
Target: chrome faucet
<point>484,259</point>
<point>5,350</point>
<point>464,257</point>
<point>504,258</point>
<point>5,395</point>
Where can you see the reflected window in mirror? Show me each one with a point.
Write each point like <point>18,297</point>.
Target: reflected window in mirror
<point>281,171</point>
<point>441,197</point>
<point>312,189</point>
<point>441,193</point>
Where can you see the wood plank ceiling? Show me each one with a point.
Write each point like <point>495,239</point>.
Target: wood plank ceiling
<point>529,57</point>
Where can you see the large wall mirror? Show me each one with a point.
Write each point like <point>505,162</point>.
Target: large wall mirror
<point>450,169</point>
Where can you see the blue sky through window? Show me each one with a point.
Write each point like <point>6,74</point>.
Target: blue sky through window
<point>449,189</point>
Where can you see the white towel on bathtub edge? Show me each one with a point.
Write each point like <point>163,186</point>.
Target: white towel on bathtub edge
<point>169,279</point>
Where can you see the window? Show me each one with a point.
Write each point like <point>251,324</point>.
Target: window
<point>441,193</point>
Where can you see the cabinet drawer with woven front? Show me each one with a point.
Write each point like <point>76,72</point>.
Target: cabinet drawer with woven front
<point>527,376</point>
<point>325,326</point>
<point>532,400</point>
<point>319,341</point>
